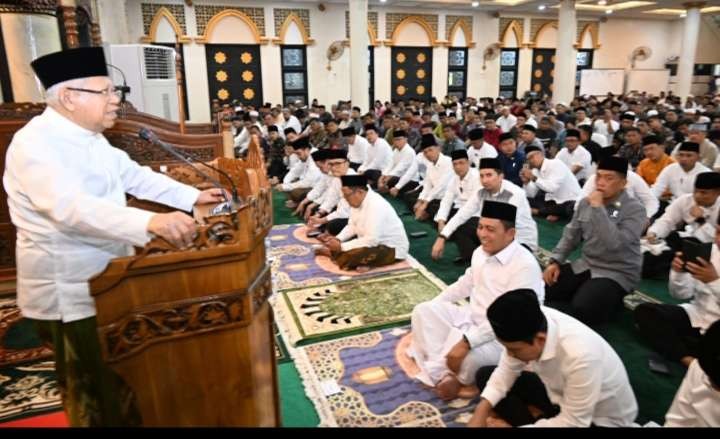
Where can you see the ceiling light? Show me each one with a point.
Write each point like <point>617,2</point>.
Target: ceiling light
<point>541,7</point>
<point>608,11</point>
<point>602,2</point>
<point>475,4</point>
<point>683,14</point>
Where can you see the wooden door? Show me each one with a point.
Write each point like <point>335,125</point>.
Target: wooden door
<point>411,73</point>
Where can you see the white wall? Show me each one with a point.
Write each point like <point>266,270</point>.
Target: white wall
<point>618,38</point>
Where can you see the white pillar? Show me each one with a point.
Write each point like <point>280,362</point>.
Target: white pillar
<point>565,64</point>
<point>113,20</point>
<point>359,56</point>
<point>686,64</point>
<point>28,37</point>
<point>525,57</point>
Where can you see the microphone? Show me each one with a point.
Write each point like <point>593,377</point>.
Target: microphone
<point>225,207</point>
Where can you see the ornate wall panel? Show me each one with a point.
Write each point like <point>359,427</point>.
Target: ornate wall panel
<point>280,15</point>
<point>149,10</point>
<point>203,14</point>
<point>392,20</point>
<point>452,20</point>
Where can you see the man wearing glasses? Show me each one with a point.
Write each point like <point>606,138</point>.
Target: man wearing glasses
<point>333,214</point>
<point>66,189</point>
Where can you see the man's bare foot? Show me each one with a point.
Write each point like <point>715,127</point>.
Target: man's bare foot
<point>552,218</point>
<point>362,268</point>
<point>534,211</point>
<point>448,388</point>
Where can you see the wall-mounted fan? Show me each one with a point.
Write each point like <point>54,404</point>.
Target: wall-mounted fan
<point>334,51</point>
<point>640,54</point>
<point>491,52</point>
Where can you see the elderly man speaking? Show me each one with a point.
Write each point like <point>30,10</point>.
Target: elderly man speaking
<point>66,190</point>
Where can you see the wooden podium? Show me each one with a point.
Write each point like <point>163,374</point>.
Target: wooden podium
<point>190,331</point>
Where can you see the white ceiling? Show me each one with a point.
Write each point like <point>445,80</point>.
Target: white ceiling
<point>531,7</point>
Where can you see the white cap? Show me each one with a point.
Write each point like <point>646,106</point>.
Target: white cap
<point>689,111</point>
<point>238,108</point>
<point>314,115</point>
<point>652,113</point>
<point>562,103</point>
<point>344,112</point>
<point>254,114</point>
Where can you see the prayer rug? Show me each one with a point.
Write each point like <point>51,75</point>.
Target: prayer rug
<point>367,381</point>
<point>281,352</point>
<point>19,342</point>
<point>295,265</point>
<point>349,306</point>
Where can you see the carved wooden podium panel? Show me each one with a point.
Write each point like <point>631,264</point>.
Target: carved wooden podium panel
<point>190,331</point>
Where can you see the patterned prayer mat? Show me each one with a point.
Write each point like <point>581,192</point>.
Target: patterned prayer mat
<point>630,301</point>
<point>294,264</point>
<point>27,372</point>
<point>281,352</point>
<point>376,386</point>
<point>338,308</point>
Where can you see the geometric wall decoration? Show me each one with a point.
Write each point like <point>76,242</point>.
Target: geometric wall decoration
<point>412,73</point>
<point>280,15</point>
<point>505,23</point>
<point>203,14</point>
<point>535,27</point>
<point>234,73</point>
<point>451,20</point>
<point>543,66</point>
<point>150,9</point>
<point>372,18</point>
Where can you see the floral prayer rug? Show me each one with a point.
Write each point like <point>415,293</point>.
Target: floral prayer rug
<point>367,381</point>
<point>294,263</point>
<point>18,340</point>
<point>338,308</point>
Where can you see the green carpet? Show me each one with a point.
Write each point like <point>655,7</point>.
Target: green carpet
<point>654,392</point>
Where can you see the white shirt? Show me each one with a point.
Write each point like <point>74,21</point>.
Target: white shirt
<point>579,157</point>
<point>556,179</point>
<point>334,199</point>
<point>357,151</point>
<point>372,224</point>
<point>242,140</point>
<point>696,403</point>
<point>679,211</point>
<point>379,156</point>
<point>581,372</point>
<point>484,152</point>
<point>317,193</point>
<point>704,309</point>
<point>635,187</point>
<point>402,160</point>
<point>586,121</point>
<point>303,175</point>
<point>509,193</point>
<point>437,178</point>
<point>458,193</point>
<point>66,195</point>
<point>294,123</point>
<point>506,124</point>
<point>679,182</point>
<point>489,277</point>
<point>601,127</point>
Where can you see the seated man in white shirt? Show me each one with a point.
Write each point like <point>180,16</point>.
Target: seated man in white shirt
<point>450,342</point>
<point>357,147</point>
<point>438,175</point>
<point>479,148</point>
<point>690,216</point>
<point>312,201</point>
<point>697,401</point>
<point>674,330</point>
<point>462,228</point>
<point>679,178</point>
<point>550,186</point>
<point>302,176</point>
<point>333,212</point>
<point>401,175</point>
<point>379,155</point>
<point>463,185</point>
<point>566,371</point>
<point>575,156</point>
<point>374,235</point>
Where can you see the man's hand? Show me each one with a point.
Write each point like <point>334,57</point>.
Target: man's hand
<point>595,199</point>
<point>212,195</point>
<point>323,251</point>
<point>317,221</point>
<point>420,208</point>
<point>333,244</point>
<point>456,355</point>
<point>309,211</point>
<point>551,273</point>
<point>696,211</point>
<point>394,192</point>
<point>273,181</point>
<point>176,227</point>
<point>702,270</point>
<point>651,238</point>
<point>678,263</point>
<point>440,225</point>
<point>526,175</point>
<point>497,423</point>
<point>438,248</point>
<point>480,416</point>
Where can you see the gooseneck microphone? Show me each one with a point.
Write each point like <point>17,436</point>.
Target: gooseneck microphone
<point>151,137</point>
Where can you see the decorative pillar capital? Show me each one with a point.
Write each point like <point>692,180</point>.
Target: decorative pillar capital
<point>694,5</point>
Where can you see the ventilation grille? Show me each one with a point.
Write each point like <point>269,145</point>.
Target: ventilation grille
<point>159,63</point>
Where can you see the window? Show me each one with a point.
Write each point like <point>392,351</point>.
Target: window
<point>294,74</point>
<point>584,60</point>
<point>508,72</point>
<point>457,72</point>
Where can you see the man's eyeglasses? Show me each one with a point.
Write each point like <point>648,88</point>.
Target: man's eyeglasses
<point>118,91</point>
